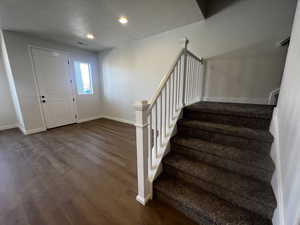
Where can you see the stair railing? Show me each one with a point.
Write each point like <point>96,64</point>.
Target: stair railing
<point>156,120</point>
<point>273,97</point>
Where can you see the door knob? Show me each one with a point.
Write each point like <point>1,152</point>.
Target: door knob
<point>42,96</point>
<point>43,101</point>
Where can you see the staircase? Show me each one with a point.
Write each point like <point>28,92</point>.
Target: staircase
<point>219,168</point>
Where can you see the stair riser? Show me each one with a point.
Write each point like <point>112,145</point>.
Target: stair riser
<point>189,212</point>
<point>225,194</point>
<point>225,139</point>
<point>254,123</point>
<point>250,171</point>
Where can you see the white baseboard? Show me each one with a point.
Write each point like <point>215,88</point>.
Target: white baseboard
<point>32,131</point>
<point>89,119</point>
<point>38,130</point>
<point>278,218</point>
<point>237,100</point>
<point>119,120</point>
<point>7,127</point>
<point>106,117</point>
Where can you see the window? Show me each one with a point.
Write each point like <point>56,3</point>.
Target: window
<point>83,78</point>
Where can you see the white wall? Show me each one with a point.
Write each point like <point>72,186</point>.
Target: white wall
<point>21,70</point>
<point>248,75</point>
<point>7,112</point>
<point>133,71</point>
<point>286,129</point>
<point>11,84</point>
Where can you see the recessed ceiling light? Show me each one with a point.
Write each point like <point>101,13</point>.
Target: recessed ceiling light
<point>123,20</point>
<point>90,36</point>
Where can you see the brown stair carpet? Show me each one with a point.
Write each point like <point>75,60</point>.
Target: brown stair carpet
<point>219,168</point>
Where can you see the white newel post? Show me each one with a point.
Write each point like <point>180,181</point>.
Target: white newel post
<point>144,184</point>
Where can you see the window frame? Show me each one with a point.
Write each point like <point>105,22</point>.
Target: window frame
<point>78,73</point>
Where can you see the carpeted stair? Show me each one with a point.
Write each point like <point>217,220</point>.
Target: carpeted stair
<point>219,168</point>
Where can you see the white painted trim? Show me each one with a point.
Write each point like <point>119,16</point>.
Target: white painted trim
<point>107,117</point>
<point>38,130</point>
<point>71,73</point>
<point>142,200</point>
<point>237,100</point>
<point>119,120</point>
<point>22,129</point>
<point>32,131</point>
<point>278,189</point>
<point>89,119</point>
<point>8,126</point>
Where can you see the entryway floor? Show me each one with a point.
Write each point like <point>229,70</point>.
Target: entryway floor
<point>83,174</point>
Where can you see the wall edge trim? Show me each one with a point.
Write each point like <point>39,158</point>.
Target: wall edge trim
<point>32,131</point>
<point>89,119</point>
<point>278,173</point>
<point>119,120</point>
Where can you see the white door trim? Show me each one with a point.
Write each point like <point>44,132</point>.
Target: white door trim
<point>36,84</point>
<point>74,90</point>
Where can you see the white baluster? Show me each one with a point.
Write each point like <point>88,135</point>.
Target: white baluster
<point>179,82</point>
<point>184,74</point>
<point>203,80</point>
<point>144,184</point>
<point>190,80</point>
<point>150,140</point>
<point>160,122</point>
<point>155,133</point>
<point>173,91</point>
<point>194,80</point>
<point>198,81</point>
<point>176,90</point>
<point>169,103</point>
<point>171,100</point>
<point>188,75</point>
<point>165,112</point>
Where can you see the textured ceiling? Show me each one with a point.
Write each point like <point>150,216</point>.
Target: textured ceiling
<point>68,21</point>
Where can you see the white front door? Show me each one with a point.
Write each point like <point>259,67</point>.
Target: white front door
<point>55,87</point>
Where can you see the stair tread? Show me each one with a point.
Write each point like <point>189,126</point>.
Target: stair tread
<point>245,157</point>
<point>242,186</point>
<point>244,110</point>
<point>244,132</point>
<point>207,205</point>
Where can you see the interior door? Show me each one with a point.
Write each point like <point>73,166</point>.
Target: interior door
<point>55,87</point>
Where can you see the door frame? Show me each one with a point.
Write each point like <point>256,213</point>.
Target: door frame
<point>36,84</point>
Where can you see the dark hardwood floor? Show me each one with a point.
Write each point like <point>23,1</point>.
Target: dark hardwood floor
<point>83,174</point>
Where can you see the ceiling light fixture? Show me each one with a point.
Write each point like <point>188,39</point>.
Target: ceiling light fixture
<point>90,36</point>
<point>123,20</point>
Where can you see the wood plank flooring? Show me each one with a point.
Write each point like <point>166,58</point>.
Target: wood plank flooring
<point>82,174</point>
